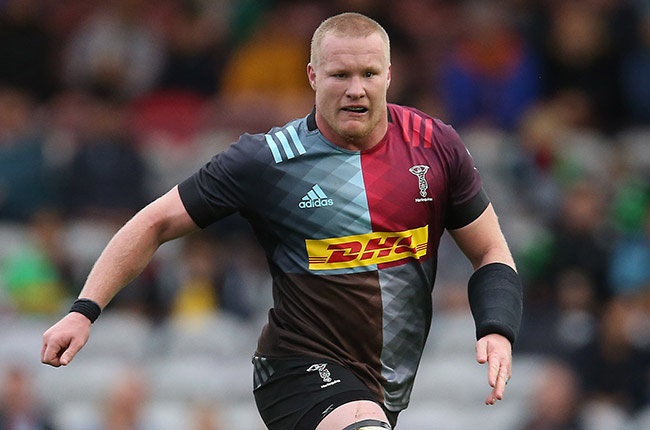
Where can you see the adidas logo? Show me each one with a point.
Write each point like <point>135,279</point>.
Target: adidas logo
<point>315,198</point>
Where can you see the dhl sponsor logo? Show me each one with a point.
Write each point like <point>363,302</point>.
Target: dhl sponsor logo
<point>367,249</point>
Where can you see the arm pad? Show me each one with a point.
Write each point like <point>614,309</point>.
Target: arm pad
<point>496,300</point>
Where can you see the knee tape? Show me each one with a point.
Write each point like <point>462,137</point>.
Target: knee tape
<point>369,425</point>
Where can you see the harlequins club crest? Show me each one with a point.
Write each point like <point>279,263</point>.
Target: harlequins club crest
<point>420,171</point>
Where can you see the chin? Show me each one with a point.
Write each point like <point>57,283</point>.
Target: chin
<point>353,135</point>
<point>355,131</point>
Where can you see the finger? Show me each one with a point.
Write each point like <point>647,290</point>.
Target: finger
<point>70,353</point>
<point>499,386</point>
<point>50,354</point>
<point>43,349</point>
<point>481,351</point>
<point>491,398</point>
<point>499,366</point>
<point>494,369</point>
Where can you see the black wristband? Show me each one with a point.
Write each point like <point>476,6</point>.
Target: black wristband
<point>496,300</point>
<point>87,308</point>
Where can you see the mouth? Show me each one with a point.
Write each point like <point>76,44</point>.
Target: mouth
<point>355,109</point>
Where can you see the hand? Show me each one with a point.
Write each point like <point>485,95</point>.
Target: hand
<point>63,340</point>
<point>496,351</point>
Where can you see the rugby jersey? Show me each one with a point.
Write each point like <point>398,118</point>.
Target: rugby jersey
<point>351,237</point>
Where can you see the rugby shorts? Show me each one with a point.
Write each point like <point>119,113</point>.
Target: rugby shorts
<point>296,393</point>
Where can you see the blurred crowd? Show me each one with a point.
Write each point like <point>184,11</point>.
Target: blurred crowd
<point>105,104</point>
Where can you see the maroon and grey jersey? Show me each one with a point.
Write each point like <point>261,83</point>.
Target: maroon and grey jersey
<point>351,237</point>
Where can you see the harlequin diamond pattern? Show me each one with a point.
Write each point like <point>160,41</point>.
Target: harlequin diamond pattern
<point>404,322</point>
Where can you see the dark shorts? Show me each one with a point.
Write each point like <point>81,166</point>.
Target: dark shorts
<point>297,393</point>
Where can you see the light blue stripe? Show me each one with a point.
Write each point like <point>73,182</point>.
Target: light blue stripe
<point>274,148</point>
<point>296,140</point>
<point>285,144</point>
<point>319,191</point>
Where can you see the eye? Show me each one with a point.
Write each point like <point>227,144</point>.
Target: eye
<point>369,74</point>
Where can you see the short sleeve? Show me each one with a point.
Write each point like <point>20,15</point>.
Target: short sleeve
<point>225,184</point>
<point>467,198</point>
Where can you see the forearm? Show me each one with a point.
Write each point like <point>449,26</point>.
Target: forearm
<point>124,258</point>
<point>483,241</point>
<point>131,249</point>
<point>126,255</point>
<point>499,253</point>
<point>495,291</point>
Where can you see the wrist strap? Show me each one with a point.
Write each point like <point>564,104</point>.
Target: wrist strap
<point>87,308</point>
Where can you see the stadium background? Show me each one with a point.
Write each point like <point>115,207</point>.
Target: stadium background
<point>106,104</point>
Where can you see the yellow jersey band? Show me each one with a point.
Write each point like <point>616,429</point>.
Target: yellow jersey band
<point>367,249</point>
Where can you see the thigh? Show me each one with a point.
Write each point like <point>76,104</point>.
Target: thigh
<point>297,393</point>
<point>360,414</point>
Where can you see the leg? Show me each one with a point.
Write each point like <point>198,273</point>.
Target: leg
<point>364,413</point>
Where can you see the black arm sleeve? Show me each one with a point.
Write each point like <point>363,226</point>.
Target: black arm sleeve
<point>462,215</point>
<point>496,300</point>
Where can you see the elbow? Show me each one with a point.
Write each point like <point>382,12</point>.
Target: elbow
<point>163,224</point>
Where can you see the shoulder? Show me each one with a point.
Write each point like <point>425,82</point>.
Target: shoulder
<point>278,144</point>
<point>287,142</point>
<point>421,129</point>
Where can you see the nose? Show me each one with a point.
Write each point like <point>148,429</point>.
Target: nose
<point>355,88</point>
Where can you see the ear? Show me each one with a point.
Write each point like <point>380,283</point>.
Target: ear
<point>389,75</point>
<point>311,75</point>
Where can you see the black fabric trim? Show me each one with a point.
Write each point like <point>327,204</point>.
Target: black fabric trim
<point>311,120</point>
<point>460,216</point>
<point>192,201</point>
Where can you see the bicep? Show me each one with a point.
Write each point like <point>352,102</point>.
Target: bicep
<point>482,240</point>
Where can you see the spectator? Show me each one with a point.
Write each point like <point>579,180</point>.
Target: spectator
<point>566,274</point>
<point>580,238</point>
<point>27,183</point>
<point>636,73</point>
<point>208,282</point>
<point>114,48</point>
<point>612,370</point>
<point>196,50</point>
<point>579,58</point>
<point>534,157</point>
<point>562,322</point>
<point>19,409</point>
<point>423,31</point>
<point>491,75</point>
<point>264,79</point>
<point>124,406</point>
<point>630,260</point>
<point>106,177</point>
<point>556,399</point>
<point>26,49</point>
<point>38,277</point>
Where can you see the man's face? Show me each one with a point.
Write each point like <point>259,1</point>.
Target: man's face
<point>351,78</point>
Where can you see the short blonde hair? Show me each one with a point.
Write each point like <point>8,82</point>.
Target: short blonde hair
<point>348,24</point>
